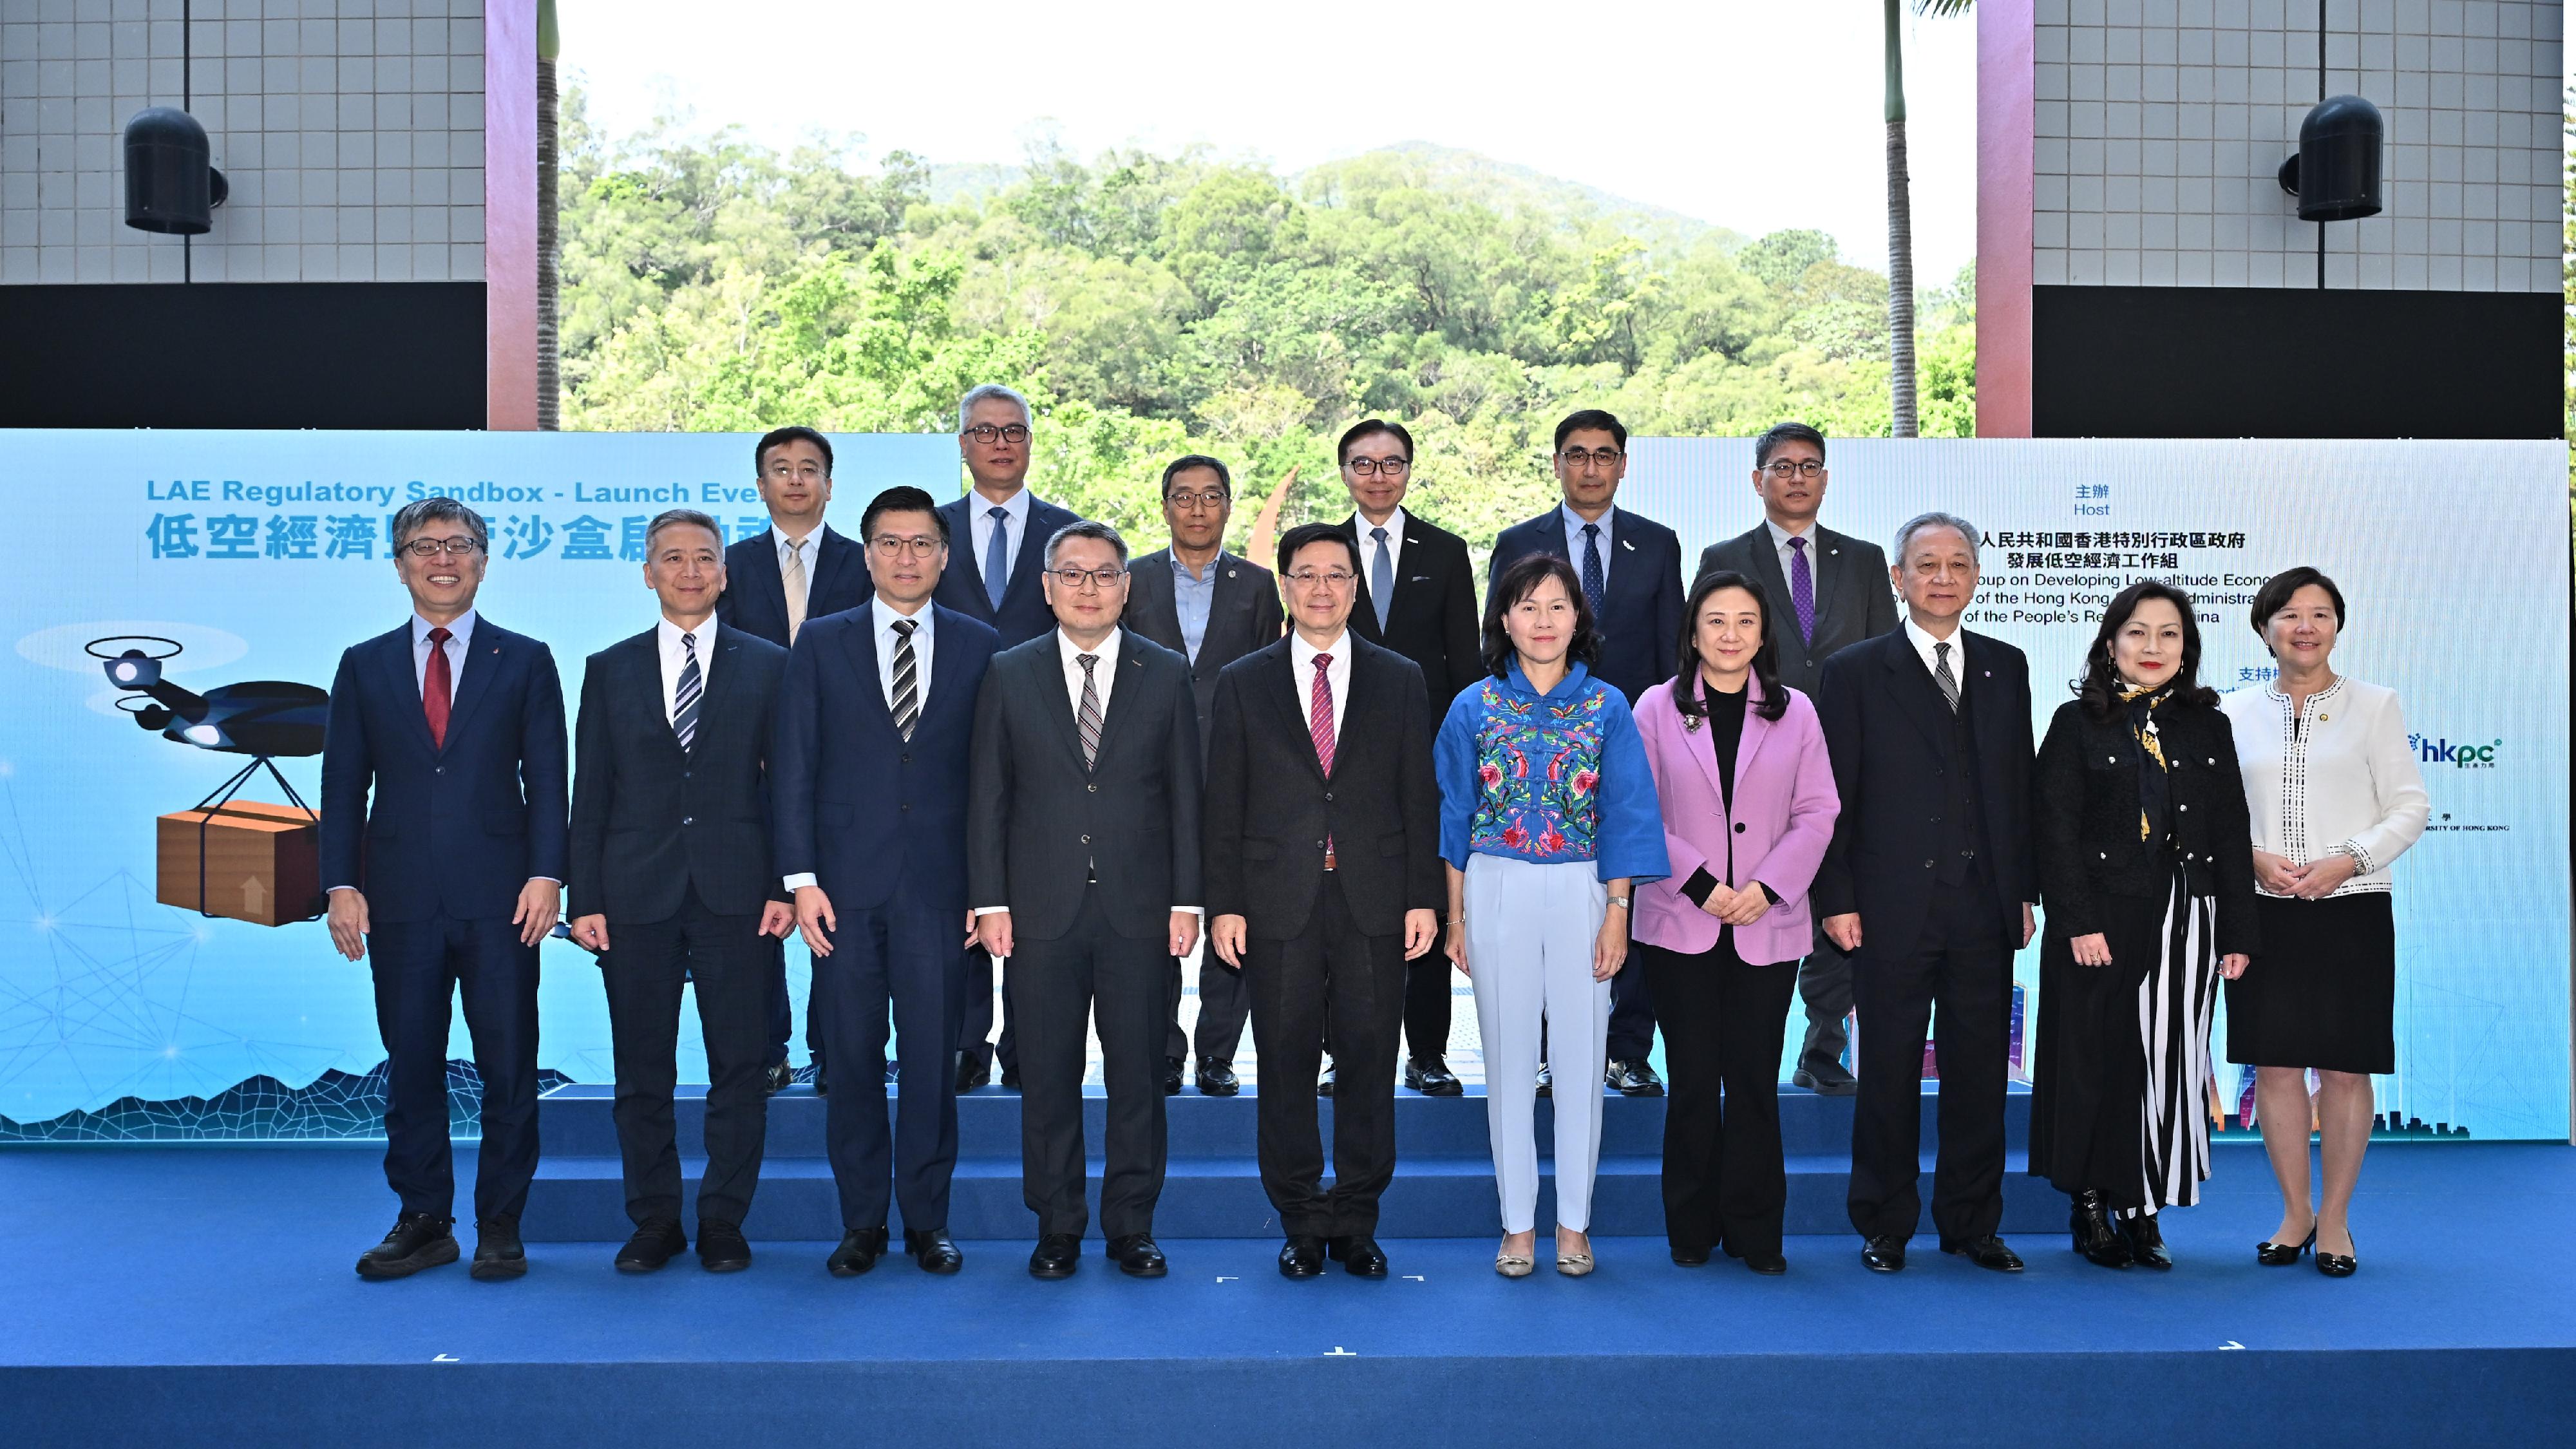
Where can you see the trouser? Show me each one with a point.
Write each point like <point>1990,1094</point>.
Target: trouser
<point>782,1013</point>
<point>1724,1181</point>
<point>1223,1000</point>
<point>644,969</point>
<point>1091,976</point>
<point>1426,1007</point>
<point>1530,934</point>
<point>1961,963</point>
<point>903,954</point>
<point>1633,1014</point>
<point>1825,985</point>
<point>1329,972</point>
<point>975,1029</point>
<point>420,969</point>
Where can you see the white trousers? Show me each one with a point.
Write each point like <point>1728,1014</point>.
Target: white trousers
<point>1530,930</point>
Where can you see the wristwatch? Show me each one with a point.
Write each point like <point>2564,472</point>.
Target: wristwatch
<point>1620,901</point>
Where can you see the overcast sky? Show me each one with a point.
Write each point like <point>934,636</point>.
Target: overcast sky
<point>1749,115</point>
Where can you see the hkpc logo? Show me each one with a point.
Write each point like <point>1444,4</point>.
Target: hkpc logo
<point>2459,757</point>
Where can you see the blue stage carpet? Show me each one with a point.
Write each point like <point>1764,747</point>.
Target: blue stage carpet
<point>205,1296</point>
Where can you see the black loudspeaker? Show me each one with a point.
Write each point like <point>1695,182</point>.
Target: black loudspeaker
<point>2335,175</point>
<point>169,185</point>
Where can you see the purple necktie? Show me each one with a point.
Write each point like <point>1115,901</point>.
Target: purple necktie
<point>1802,589</point>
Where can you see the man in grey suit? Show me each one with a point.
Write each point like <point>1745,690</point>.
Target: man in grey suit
<point>1823,591</point>
<point>1211,608</point>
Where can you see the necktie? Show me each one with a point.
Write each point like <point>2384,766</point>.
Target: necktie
<point>1802,589</point>
<point>436,690</point>
<point>1592,568</point>
<point>997,557</point>
<point>1319,723</point>
<point>792,577</point>
<point>907,672</point>
<point>684,699</point>
<point>1381,578</point>
<point>1942,676</point>
<point>1089,720</point>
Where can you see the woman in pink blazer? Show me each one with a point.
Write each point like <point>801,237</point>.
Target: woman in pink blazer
<point>1748,804</point>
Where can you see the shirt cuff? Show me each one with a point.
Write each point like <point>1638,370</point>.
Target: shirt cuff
<point>328,890</point>
<point>1199,911</point>
<point>981,911</point>
<point>2360,857</point>
<point>800,880</point>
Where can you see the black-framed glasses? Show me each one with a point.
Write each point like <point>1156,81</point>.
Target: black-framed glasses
<point>1370,467</point>
<point>1582,458</point>
<point>1103,579</point>
<point>1211,498</point>
<point>988,433</point>
<point>1785,469</point>
<point>919,545</point>
<point>433,547</point>
<point>1329,578</point>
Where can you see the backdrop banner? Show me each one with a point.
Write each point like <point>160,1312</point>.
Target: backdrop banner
<point>189,593</point>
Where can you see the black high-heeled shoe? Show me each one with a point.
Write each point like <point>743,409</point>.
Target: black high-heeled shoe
<point>2090,1227</point>
<point>2284,1255</point>
<point>2146,1242</point>
<point>2338,1265</point>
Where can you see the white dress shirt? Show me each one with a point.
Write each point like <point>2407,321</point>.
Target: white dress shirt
<point>882,617</point>
<point>1574,525</point>
<point>1394,527</point>
<point>1923,642</point>
<point>980,524</point>
<point>2338,777</point>
<point>461,637</point>
<point>667,636</point>
<point>1337,677</point>
<point>802,549</point>
<point>1780,545</point>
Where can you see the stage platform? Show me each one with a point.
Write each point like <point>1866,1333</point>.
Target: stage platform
<point>204,1296</point>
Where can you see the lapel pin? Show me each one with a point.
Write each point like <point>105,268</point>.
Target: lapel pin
<point>1629,545</point>
<point>1229,573</point>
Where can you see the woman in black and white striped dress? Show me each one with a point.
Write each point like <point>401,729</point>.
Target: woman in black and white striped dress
<point>2146,874</point>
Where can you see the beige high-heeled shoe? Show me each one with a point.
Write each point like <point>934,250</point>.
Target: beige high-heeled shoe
<point>1574,1264</point>
<point>1511,1264</point>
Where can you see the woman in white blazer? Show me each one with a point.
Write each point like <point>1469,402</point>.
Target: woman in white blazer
<point>2335,797</point>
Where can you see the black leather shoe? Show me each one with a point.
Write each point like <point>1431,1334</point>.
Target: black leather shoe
<point>2339,1265</point>
<point>934,1250</point>
<point>1359,1255</point>
<point>860,1248</point>
<point>971,1073</point>
<point>1057,1255</point>
<point>1988,1252</point>
<point>1301,1257</point>
<point>1010,1079</point>
<point>1768,1264</point>
<point>1546,1081</point>
<point>1883,1254</point>
<point>1693,1257</point>
<point>1432,1078</point>
<point>778,1078</point>
<point>1324,1079</point>
<point>1826,1082</point>
<point>1633,1079</point>
<point>721,1246</point>
<point>2088,1225</point>
<point>1172,1076</point>
<point>2283,1255</point>
<point>418,1240</point>
<point>498,1253</point>
<point>2146,1242</point>
<point>656,1242</point>
<point>1137,1257</point>
<point>1217,1079</point>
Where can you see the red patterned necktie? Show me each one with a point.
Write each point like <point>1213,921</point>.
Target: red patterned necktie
<point>1319,723</point>
<point>436,689</point>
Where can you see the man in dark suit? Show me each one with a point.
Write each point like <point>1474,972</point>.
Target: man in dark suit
<point>1823,592</point>
<point>797,569</point>
<point>1082,858</point>
<point>1929,884</point>
<point>671,884</point>
<point>1323,879</point>
<point>1211,607</point>
<point>1631,571</point>
<point>450,876</point>
<point>998,534</point>
<point>870,790</point>
<point>1418,598</point>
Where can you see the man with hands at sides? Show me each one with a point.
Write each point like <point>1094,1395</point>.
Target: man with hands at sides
<point>671,885</point>
<point>450,875</point>
<point>1323,879</point>
<point>870,785</point>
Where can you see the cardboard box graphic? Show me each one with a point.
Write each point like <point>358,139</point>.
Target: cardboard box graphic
<point>262,862</point>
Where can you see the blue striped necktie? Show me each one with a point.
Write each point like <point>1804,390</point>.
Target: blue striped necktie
<point>684,700</point>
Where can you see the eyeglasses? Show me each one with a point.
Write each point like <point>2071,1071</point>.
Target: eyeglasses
<point>433,547</point>
<point>1329,578</point>
<point>987,434</point>
<point>1103,579</point>
<point>784,470</point>
<point>1185,499</point>
<point>1579,459</point>
<point>916,546</point>
<point>1369,467</point>
<point>1784,469</point>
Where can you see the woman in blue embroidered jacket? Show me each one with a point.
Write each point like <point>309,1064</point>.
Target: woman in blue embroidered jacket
<point>1547,818</point>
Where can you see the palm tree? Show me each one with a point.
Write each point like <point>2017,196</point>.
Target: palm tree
<point>549,278</point>
<point>1900,222</point>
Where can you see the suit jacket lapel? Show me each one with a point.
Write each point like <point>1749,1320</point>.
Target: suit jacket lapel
<point>1053,698</point>
<point>859,655</point>
<point>1825,556</point>
<point>396,660</point>
<point>716,671</point>
<point>1158,597</point>
<point>1032,561</point>
<point>830,552</point>
<point>964,563</point>
<point>483,660</point>
<point>1706,759</point>
<point>1757,732</point>
<point>767,582</point>
<point>1225,611</point>
<point>1775,585</point>
<point>1285,690</point>
<point>1916,694</point>
<point>1975,681</point>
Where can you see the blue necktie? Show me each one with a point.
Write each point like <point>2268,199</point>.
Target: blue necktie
<point>1592,567</point>
<point>1381,579</point>
<point>997,558</point>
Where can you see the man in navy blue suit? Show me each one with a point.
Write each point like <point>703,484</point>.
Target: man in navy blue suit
<point>868,786</point>
<point>998,533</point>
<point>796,569</point>
<point>451,874</point>
<point>1631,570</point>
